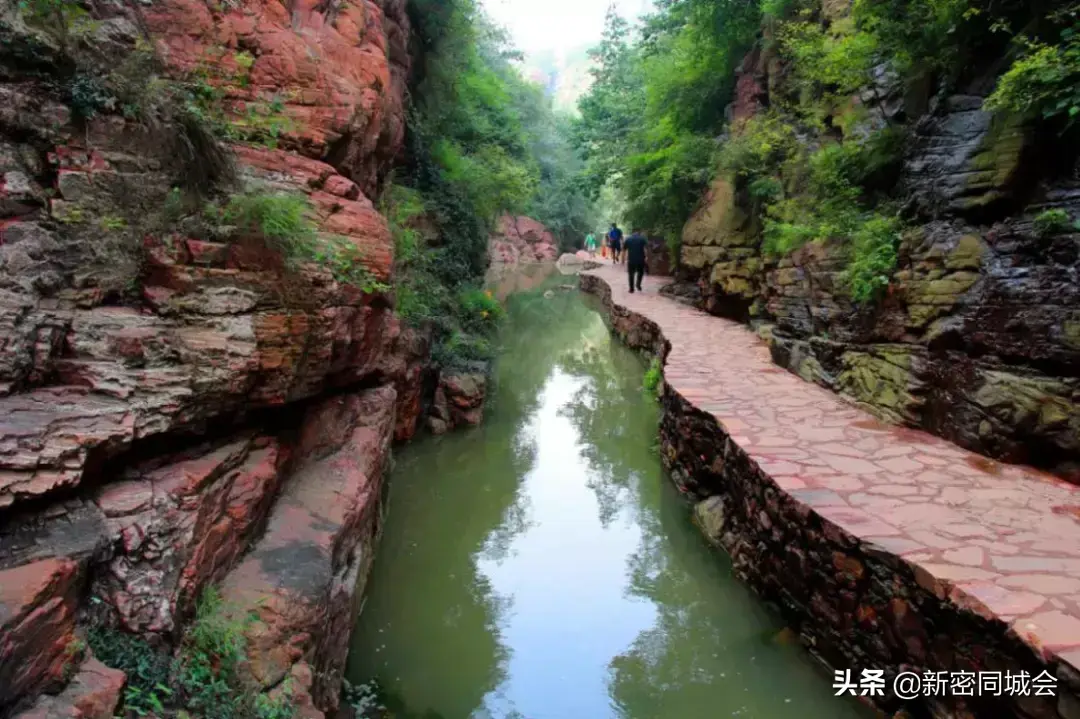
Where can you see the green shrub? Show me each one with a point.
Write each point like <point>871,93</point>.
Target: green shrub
<point>758,147</point>
<point>147,668</point>
<point>182,132</point>
<point>203,678</point>
<point>766,188</point>
<point>873,257</point>
<point>776,9</point>
<point>280,705</point>
<point>88,96</point>
<point>479,308</point>
<point>460,348</point>
<point>1045,80</point>
<point>206,669</point>
<point>66,18</point>
<point>402,206</point>
<point>282,219</point>
<point>653,377</point>
<point>657,102</point>
<point>1052,222</point>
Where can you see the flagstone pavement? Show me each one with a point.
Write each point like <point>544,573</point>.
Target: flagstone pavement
<point>1005,539</point>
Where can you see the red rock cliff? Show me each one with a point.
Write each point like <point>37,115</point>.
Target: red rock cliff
<point>151,382</point>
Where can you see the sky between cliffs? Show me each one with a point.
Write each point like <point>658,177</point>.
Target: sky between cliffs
<point>558,25</point>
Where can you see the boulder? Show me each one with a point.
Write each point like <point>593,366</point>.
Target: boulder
<point>179,524</point>
<point>304,578</point>
<point>93,693</point>
<point>37,628</point>
<point>458,402</point>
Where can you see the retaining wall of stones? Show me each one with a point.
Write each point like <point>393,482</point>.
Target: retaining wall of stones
<point>853,604</point>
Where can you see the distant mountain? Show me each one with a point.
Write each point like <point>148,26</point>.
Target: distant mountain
<point>564,74</point>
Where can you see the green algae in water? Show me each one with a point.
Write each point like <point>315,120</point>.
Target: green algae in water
<point>542,567</point>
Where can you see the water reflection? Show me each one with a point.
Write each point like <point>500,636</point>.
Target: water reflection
<point>540,566</point>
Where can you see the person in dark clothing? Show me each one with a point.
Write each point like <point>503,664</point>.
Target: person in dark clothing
<point>614,237</point>
<point>635,247</point>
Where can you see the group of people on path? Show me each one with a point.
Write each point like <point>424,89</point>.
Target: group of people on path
<point>630,252</point>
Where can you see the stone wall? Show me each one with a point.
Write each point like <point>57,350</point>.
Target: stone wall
<point>975,337</point>
<point>854,603</point>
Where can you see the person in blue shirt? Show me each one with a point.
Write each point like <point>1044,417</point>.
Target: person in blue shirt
<point>614,237</point>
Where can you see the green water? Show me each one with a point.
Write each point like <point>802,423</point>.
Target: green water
<point>542,567</point>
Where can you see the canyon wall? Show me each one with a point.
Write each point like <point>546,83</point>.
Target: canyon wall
<point>975,337</point>
<point>178,410</point>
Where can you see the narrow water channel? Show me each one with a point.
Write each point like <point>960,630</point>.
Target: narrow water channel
<point>542,567</point>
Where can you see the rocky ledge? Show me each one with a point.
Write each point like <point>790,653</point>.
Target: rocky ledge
<point>886,548</point>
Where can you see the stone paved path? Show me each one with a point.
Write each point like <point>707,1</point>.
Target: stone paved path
<point>1006,538</point>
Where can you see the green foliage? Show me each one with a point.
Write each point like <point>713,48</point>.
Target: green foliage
<point>830,64</point>
<point>1044,81</point>
<point>88,96</point>
<point>403,207</point>
<point>147,668</point>
<point>491,177</point>
<point>822,195</point>
<point>280,705</point>
<point>758,147</point>
<point>479,309</point>
<point>261,123</point>
<point>460,348</point>
<point>206,669</point>
<point>113,223</point>
<point>283,222</point>
<point>203,678</point>
<point>475,115</point>
<point>481,141</point>
<point>657,101</point>
<point>67,18</point>
<point>1052,222</point>
<point>282,219</point>
<point>653,377</point>
<point>873,257</point>
<point>776,9</point>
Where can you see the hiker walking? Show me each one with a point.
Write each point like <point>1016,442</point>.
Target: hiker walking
<point>614,238</point>
<point>635,251</point>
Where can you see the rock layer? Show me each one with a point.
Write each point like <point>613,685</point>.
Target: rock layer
<point>154,373</point>
<point>93,693</point>
<point>975,337</point>
<point>305,576</point>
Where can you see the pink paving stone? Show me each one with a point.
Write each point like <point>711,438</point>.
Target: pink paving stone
<point>892,490</point>
<point>899,465</point>
<point>967,530</point>
<point>1043,583</point>
<point>1000,601</point>
<point>1053,629</point>
<point>1020,516</point>
<point>955,573</point>
<point>933,539</point>
<point>969,556</point>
